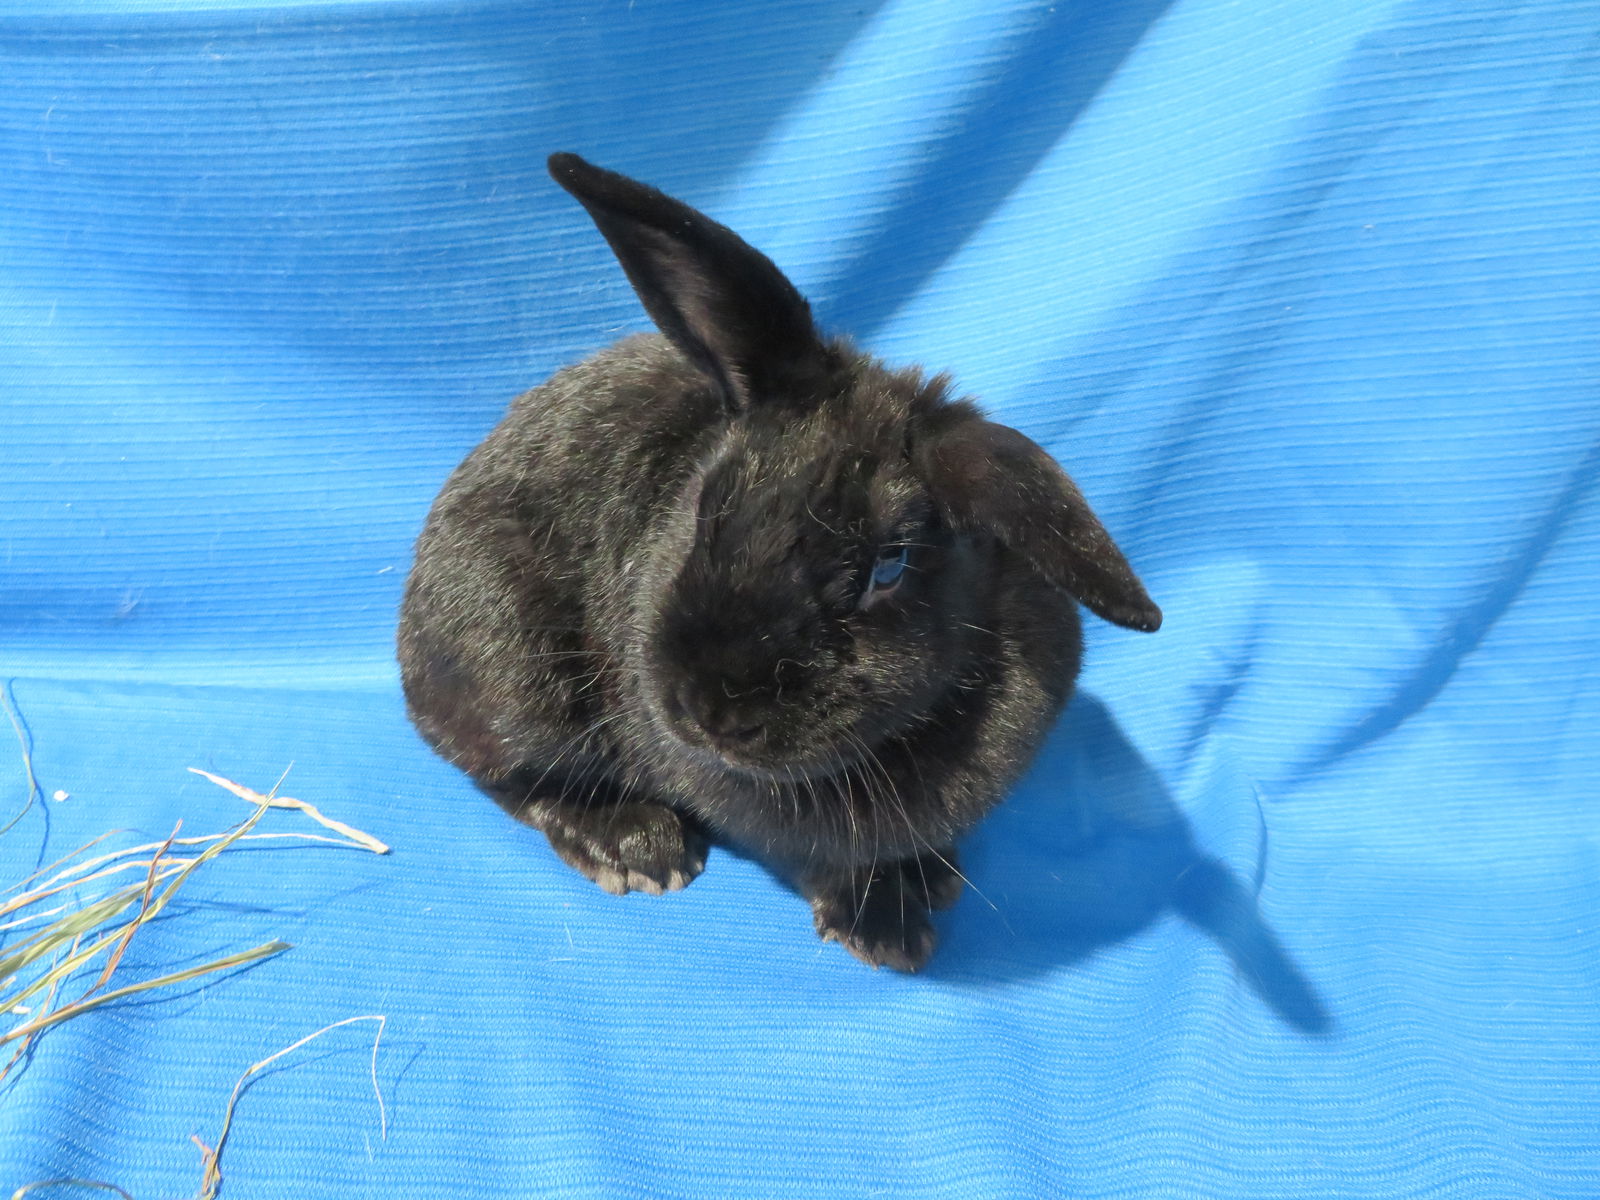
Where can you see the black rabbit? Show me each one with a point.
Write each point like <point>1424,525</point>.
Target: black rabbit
<point>741,580</point>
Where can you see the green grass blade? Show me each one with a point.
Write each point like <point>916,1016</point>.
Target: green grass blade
<point>266,950</point>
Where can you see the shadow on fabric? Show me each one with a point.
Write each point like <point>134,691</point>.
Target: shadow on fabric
<point>1090,851</point>
<point>1055,69</point>
<point>254,220</point>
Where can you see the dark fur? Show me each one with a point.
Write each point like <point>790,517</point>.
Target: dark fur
<point>635,617</point>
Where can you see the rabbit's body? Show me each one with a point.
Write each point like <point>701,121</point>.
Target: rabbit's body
<point>748,585</point>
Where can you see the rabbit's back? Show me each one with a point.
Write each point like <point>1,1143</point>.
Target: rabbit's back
<point>590,453</point>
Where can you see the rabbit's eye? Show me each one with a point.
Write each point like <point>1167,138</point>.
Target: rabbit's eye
<point>887,571</point>
<point>890,566</point>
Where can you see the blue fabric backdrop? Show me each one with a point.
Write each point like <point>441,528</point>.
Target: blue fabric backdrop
<point>1299,901</point>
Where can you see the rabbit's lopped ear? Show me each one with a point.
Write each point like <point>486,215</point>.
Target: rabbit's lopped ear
<point>717,299</point>
<point>990,478</point>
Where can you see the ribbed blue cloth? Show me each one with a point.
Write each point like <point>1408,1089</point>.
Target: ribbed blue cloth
<point>1300,900</point>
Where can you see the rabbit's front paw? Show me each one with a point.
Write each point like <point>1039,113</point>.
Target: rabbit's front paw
<point>634,846</point>
<point>883,921</point>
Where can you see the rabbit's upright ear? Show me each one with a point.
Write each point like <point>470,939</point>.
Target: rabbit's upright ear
<point>990,478</point>
<point>719,300</point>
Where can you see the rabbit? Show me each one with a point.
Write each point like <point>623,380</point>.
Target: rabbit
<point>738,582</point>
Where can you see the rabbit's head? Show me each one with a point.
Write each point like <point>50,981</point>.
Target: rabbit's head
<point>820,581</point>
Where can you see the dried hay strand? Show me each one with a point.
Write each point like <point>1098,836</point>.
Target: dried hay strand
<point>34,791</point>
<point>40,1184</point>
<point>83,925</point>
<point>211,1156</point>
<point>81,932</point>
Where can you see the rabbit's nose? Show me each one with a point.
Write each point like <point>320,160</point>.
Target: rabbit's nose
<point>727,723</point>
<point>734,731</point>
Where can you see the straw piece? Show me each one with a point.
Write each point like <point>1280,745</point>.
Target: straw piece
<point>133,926</point>
<point>82,1183</point>
<point>211,1157</point>
<point>64,930</point>
<point>68,857</point>
<point>99,928</point>
<point>74,875</point>
<point>34,791</point>
<point>265,950</point>
<point>275,801</point>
